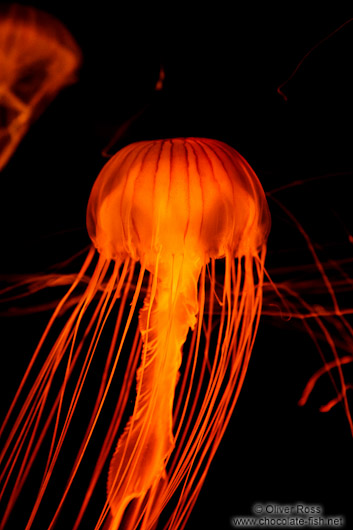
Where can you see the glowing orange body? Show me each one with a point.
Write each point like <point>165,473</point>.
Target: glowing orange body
<point>175,206</point>
<point>38,57</point>
<point>172,205</point>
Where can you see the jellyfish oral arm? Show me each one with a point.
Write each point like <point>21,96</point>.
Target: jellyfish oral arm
<point>138,463</point>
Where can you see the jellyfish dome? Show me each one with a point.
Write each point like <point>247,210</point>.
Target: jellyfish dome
<point>38,57</point>
<point>189,196</point>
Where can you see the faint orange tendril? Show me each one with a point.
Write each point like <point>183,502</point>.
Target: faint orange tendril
<point>279,89</point>
<point>38,57</point>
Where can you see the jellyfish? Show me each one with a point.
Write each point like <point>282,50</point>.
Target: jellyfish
<point>38,57</point>
<point>163,215</point>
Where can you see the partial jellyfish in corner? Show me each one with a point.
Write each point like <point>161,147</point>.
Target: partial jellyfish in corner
<point>38,57</point>
<point>164,216</point>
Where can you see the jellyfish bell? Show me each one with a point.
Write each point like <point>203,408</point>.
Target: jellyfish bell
<point>194,197</point>
<point>167,209</point>
<point>38,57</point>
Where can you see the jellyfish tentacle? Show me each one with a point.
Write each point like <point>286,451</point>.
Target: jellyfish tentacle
<point>138,463</point>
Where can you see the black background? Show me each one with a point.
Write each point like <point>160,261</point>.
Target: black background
<point>223,68</point>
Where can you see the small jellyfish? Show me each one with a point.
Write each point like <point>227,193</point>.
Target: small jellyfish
<point>38,57</point>
<point>163,215</point>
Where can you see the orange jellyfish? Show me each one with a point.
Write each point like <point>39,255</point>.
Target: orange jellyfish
<point>163,215</point>
<point>38,57</point>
